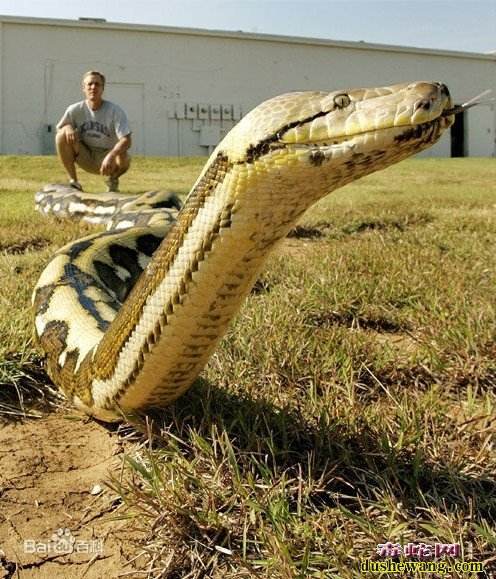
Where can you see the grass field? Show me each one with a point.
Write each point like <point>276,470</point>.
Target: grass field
<point>351,403</point>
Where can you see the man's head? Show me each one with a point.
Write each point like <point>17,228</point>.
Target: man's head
<point>93,85</point>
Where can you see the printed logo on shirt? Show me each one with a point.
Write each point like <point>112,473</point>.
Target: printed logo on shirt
<point>94,129</point>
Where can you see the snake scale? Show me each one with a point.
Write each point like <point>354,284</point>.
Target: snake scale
<point>128,318</point>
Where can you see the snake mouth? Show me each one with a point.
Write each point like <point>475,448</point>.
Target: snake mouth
<point>397,134</point>
<point>398,140</point>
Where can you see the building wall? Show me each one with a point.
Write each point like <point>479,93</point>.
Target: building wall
<point>183,90</point>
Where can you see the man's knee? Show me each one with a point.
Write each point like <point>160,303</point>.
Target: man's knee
<point>123,162</point>
<point>62,141</point>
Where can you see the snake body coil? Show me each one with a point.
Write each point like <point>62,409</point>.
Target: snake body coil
<point>129,318</point>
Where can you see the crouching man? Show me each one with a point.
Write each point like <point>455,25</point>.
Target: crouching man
<point>95,135</point>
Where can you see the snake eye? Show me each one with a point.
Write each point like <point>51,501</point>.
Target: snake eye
<point>341,101</point>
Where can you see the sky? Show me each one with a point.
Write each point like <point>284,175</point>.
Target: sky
<point>467,25</point>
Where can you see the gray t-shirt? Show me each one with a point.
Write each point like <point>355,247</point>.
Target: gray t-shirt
<point>100,129</point>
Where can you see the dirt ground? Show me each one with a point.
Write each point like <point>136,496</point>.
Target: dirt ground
<point>58,519</point>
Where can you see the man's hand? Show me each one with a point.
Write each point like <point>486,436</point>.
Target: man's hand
<point>116,157</point>
<point>71,135</point>
<point>108,164</point>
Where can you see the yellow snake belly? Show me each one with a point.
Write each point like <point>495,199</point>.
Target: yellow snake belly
<point>128,319</point>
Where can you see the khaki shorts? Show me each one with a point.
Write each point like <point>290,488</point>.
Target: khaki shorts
<point>89,159</point>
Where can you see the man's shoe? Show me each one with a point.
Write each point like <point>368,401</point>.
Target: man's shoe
<point>75,185</point>
<point>112,185</point>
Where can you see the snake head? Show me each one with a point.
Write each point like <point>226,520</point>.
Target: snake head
<point>385,118</point>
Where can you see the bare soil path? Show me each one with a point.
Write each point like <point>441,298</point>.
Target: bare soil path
<point>57,517</point>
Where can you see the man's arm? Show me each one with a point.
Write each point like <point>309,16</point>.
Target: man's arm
<point>66,124</point>
<point>120,148</point>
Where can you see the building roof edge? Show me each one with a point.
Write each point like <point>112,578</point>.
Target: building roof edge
<point>239,34</point>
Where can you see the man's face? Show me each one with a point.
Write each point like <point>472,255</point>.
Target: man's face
<point>93,88</point>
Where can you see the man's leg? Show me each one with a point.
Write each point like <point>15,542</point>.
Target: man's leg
<point>67,152</point>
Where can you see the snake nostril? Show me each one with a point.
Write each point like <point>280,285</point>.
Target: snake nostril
<point>424,104</point>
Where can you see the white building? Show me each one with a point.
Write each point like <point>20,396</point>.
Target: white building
<point>184,88</point>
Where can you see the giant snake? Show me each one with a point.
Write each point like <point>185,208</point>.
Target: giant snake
<point>128,318</point>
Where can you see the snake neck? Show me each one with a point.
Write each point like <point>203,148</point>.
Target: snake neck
<point>184,301</point>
